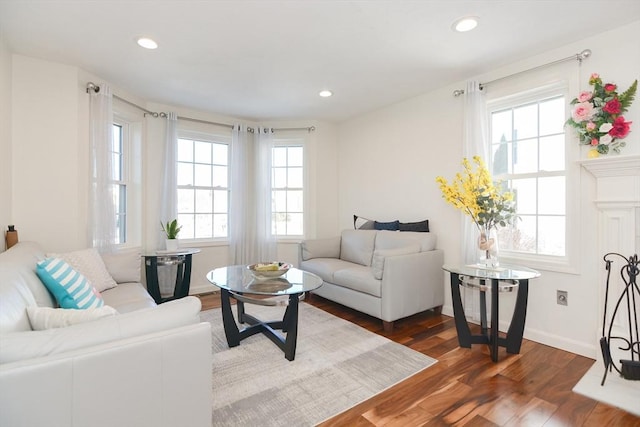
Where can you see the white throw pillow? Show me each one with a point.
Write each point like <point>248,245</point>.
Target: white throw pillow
<point>42,318</point>
<point>380,255</point>
<point>89,263</point>
<point>124,265</point>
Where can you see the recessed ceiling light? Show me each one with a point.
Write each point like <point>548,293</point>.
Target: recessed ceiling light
<point>147,43</point>
<point>325,93</point>
<point>466,23</point>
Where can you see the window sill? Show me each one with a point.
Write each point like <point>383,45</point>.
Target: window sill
<point>540,262</point>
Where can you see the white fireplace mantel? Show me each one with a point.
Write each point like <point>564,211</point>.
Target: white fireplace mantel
<point>618,179</point>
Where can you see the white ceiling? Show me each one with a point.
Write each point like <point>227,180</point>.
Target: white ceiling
<point>267,59</point>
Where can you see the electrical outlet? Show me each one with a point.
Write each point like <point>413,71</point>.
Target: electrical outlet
<point>562,298</point>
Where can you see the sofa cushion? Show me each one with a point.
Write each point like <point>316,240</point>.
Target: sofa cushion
<point>325,267</point>
<point>22,258</point>
<point>15,297</point>
<point>379,256</point>
<point>357,246</point>
<point>393,240</point>
<point>127,297</point>
<point>124,265</point>
<point>358,278</point>
<point>321,248</point>
<point>42,318</point>
<point>88,263</point>
<point>70,288</point>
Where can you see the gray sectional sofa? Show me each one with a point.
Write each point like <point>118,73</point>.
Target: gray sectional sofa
<point>386,274</point>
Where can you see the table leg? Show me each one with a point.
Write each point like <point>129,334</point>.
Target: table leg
<point>462,328</point>
<point>516,329</point>
<point>483,309</point>
<point>151,270</point>
<point>493,342</point>
<point>290,325</point>
<point>230,328</point>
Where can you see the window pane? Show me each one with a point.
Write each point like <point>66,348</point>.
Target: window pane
<point>551,195</point>
<point>552,153</point>
<point>524,236</point>
<point>220,201</point>
<point>279,201</point>
<point>220,176</point>
<point>502,158</point>
<point>279,156</point>
<point>220,227</point>
<point>203,175</point>
<point>552,116</point>
<point>186,221</point>
<point>551,235</point>
<point>202,152</point>
<point>220,154</point>
<point>203,226</point>
<point>294,225</point>
<point>501,126</point>
<point>185,174</point>
<point>525,121</point>
<point>279,223</point>
<point>294,201</point>
<point>295,178</point>
<point>117,167</point>
<point>525,157</point>
<point>185,150</point>
<point>295,156</point>
<point>186,200</point>
<point>204,201</point>
<point>525,195</point>
<point>279,177</point>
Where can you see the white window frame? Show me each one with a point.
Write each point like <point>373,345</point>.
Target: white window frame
<point>215,138</point>
<point>294,142</point>
<point>520,94</point>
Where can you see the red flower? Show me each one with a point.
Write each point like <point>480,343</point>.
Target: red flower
<point>620,128</point>
<point>612,107</point>
<point>610,87</point>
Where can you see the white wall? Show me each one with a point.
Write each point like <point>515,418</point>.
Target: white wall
<point>5,138</point>
<point>388,161</point>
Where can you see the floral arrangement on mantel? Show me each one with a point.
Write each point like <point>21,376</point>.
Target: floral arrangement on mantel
<point>597,116</point>
<point>475,194</point>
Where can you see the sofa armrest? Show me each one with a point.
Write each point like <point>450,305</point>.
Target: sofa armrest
<point>412,283</point>
<point>31,344</point>
<point>319,248</point>
<point>159,379</point>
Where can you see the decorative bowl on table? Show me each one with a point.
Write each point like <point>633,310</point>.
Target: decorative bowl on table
<point>269,269</point>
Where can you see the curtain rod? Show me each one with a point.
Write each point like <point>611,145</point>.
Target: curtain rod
<point>578,57</point>
<point>95,88</point>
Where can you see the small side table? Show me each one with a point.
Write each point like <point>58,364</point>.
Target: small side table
<point>502,278</point>
<point>181,258</point>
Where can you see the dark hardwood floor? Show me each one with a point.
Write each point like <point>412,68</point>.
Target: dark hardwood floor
<point>465,388</point>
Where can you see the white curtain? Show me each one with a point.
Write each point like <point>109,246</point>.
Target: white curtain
<point>250,235</point>
<point>102,211</point>
<point>168,192</point>
<point>474,144</point>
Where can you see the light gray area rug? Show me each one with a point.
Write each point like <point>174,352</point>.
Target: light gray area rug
<point>337,365</point>
<point>618,392</point>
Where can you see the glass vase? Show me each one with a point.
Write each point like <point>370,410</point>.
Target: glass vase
<point>488,249</point>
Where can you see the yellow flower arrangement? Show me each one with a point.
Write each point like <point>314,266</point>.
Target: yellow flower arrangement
<point>475,193</point>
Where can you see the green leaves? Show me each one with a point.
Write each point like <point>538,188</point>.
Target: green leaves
<point>628,96</point>
<point>171,229</point>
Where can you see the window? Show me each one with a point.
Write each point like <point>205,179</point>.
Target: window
<point>119,181</point>
<point>287,190</point>
<point>528,154</point>
<point>203,189</point>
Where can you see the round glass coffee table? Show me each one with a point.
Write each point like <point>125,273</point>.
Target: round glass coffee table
<point>238,283</point>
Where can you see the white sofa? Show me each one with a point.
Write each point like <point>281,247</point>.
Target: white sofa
<point>147,365</point>
<point>386,274</point>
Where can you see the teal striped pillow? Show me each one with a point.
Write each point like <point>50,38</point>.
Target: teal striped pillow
<point>70,288</point>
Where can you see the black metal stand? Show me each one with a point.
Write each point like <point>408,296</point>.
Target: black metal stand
<point>513,340</point>
<point>288,324</point>
<point>183,275</point>
<point>628,300</point>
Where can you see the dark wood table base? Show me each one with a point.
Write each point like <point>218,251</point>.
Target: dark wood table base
<point>288,324</point>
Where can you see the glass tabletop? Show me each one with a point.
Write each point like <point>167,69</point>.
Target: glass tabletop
<point>503,272</point>
<point>238,278</point>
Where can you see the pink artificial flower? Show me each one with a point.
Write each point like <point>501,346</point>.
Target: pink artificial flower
<point>594,141</point>
<point>610,87</point>
<point>582,112</point>
<point>620,128</point>
<point>612,107</point>
<point>595,77</point>
<point>585,96</point>
<point>591,126</point>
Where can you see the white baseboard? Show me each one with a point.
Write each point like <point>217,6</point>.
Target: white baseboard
<point>546,338</point>
<point>202,289</point>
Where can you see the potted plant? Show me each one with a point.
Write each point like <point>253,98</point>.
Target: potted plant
<point>171,230</point>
